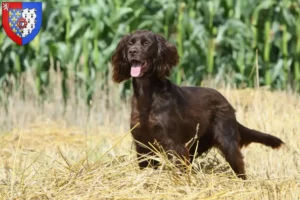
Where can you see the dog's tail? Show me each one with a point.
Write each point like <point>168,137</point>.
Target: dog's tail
<point>249,135</point>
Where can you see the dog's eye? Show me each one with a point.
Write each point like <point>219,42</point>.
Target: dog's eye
<point>146,43</point>
<point>130,43</point>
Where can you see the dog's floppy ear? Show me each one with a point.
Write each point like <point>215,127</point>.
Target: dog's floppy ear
<point>167,57</point>
<point>120,63</point>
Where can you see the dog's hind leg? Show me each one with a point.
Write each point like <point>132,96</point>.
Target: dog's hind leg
<point>227,140</point>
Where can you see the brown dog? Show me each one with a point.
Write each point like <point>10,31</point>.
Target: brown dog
<point>169,114</point>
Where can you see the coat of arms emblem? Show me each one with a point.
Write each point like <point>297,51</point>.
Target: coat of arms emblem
<point>22,20</point>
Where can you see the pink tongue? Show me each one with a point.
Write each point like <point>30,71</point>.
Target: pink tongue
<point>135,70</point>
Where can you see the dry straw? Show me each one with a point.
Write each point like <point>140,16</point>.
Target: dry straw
<point>52,153</point>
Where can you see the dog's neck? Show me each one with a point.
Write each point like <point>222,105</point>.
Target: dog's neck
<point>144,89</point>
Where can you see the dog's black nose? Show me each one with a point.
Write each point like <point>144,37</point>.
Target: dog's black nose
<point>133,51</point>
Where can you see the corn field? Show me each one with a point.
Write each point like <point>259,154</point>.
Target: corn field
<point>221,39</point>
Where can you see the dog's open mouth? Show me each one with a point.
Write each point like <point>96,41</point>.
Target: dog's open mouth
<point>137,68</point>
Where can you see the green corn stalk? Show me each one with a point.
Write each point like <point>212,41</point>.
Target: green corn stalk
<point>68,25</point>
<point>210,55</point>
<point>65,89</point>
<point>68,20</point>
<point>180,39</point>
<point>38,80</point>
<point>238,10</point>
<point>66,17</point>
<point>191,10</point>
<point>254,30</point>
<point>211,42</point>
<point>254,22</point>
<point>38,64</point>
<point>267,48</point>
<point>297,75</point>
<point>17,68</point>
<point>76,82</point>
<point>96,53</point>
<point>297,59</point>
<point>230,7</point>
<point>117,4</point>
<point>241,60</point>
<point>285,55</point>
<point>87,71</point>
<point>167,20</point>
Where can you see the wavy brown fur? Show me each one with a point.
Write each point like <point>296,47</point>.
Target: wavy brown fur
<point>169,114</point>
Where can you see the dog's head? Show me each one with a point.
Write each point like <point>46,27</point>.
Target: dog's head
<point>143,54</point>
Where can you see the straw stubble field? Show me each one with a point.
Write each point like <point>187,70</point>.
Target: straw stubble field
<point>47,155</point>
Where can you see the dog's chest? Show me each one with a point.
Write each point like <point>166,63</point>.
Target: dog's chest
<point>146,118</point>
<point>156,115</point>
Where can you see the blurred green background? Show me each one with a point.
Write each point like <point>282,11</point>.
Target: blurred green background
<point>219,39</point>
